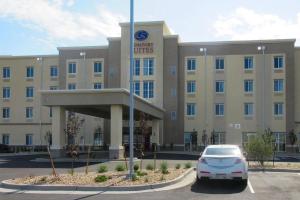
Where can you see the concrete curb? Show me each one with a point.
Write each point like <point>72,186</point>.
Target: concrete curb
<point>274,170</point>
<point>5,184</point>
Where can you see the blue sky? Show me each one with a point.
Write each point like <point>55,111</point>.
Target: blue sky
<point>39,26</point>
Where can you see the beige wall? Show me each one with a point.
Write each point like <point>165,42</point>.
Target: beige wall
<point>297,92</point>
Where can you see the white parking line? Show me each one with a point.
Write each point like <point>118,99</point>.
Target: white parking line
<point>250,187</point>
<point>299,174</point>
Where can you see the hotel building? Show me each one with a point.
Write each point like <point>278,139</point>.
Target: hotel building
<point>192,93</point>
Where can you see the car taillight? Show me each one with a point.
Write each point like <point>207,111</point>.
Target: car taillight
<point>202,160</point>
<point>238,161</point>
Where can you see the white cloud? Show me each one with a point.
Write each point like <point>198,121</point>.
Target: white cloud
<point>53,17</point>
<point>246,24</point>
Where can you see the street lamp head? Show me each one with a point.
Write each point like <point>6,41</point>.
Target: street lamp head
<point>261,48</point>
<point>39,58</point>
<point>82,53</point>
<point>202,49</point>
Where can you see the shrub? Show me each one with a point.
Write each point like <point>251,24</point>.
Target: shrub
<point>100,179</point>
<point>164,167</point>
<point>178,166</point>
<point>146,180</point>
<point>136,167</point>
<point>102,169</point>
<point>149,167</point>
<point>139,173</point>
<point>120,168</point>
<point>187,165</point>
<point>134,177</point>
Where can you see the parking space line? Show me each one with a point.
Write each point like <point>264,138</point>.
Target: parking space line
<point>299,174</point>
<point>250,187</point>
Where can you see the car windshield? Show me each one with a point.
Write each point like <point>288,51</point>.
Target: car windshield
<point>222,151</point>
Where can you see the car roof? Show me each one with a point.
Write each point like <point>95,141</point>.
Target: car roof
<point>223,146</point>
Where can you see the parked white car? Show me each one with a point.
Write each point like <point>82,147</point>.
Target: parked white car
<point>222,162</point>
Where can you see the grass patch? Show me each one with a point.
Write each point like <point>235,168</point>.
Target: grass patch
<point>120,168</point>
<point>164,168</point>
<point>150,167</point>
<point>102,169</point>
<point>187,165</point>
<point>178,166</point>
<point>136,167</point>
<point>101,179</point>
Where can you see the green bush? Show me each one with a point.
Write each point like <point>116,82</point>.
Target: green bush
<point>164,167</point>
<point>178,166</point>
<point>102,169</point>
<point>187,165</point>
<point>139,173</point>
<point>149,167</point>
<point>134,177</point>
<point>100,179</point>
<point>136,167</point>
<point>120,168</point>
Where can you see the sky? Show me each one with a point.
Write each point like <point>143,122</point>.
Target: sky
<point>37,27</point>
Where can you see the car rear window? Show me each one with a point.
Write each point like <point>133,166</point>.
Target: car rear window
<point>222,151</point>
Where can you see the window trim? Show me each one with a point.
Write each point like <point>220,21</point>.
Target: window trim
<point>71,84</point>
<point>219,115</point>
<point>249,115</point>
<point>283,62</point>
<point>195,109</point>
<point>148,89</point>
<point>217,81</point>
<point>148,66</point>
<point>6,68</point>
<point>27,109</point>
<point>101,71</point>
<point>278,92</point>
<point>28,68</point>
<point>187,86</point>
<point>187,64</point>
<point>56,69</point>
<point>249,80</point>
<point>220,58</point>
<point>8,113</point>
<point>3,89</point>
<point>29,97</point>
<point>274,109</point>
<point>68,69</point>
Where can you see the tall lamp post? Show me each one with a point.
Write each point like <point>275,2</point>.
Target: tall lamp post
<point>41,60</point>
<point>262,49</point>
<point>204,50</point>
<point>131,103</point>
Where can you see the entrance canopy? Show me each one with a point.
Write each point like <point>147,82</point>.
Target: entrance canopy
<point>98,102</point>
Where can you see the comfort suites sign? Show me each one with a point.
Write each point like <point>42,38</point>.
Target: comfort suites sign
<point>142,47</point>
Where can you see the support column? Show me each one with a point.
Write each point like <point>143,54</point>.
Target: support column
<point>116,150</point>
<point>155,132</point>
<point>58,135</point>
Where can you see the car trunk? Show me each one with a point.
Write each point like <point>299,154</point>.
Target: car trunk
<point>221,161</point>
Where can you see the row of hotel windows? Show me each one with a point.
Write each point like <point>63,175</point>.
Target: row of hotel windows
<point>28,112</point>
<point>248,86</point>
<point>248,63</point>
<point>6,74</point>
<point>98,67</point>
<point>28,139</point>
<point>248,109</point>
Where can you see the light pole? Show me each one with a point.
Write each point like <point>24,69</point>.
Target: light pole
<point>131,106</point>
<point>204,50</point>
<point>262,48</point>
<point>84,70</point>
<point>41,60</point>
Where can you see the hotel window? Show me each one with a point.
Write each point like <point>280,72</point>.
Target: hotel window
<point>278,62</point>
<point>148,89</point>
<point>218,138</point>
<point>136,87</point>
<point>220,86</point>
<point>219,109</point>
<point>278,85</point>
<point>6,92</point>
<point>53,71</point>
<point>97,67</point>
<point>173,115</point>
<point>191,87</point>
<point>248,63</point>
<point>280,141</point>
<point>136,67</point>
<point>50,112</point>
<point>219,63</point>
<point>72,86</point>
<point>248,86</point>
<point>29,72</point>
<point>72,68</point>
<point>248,109</point>
<point>97,86</point>
<point>190,109</point>
<point>191,64</point>
<point>29,112</point>
<point>6,72</point>
<point>173,92</point>
<point>53,87</point>
<point>148,66</point>
<point>6,113</point>
<point>278,109</point>
<point>28,139</point>
<point>29,92</point>
<point>5,139</point>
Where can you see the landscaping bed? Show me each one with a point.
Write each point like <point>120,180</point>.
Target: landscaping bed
<point>277,165</point>
<point>105,178</point>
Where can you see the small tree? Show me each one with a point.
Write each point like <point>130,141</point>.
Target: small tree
<point>74,123</point>
<point>292,137</point>
<point>144,131</point>
<point>48,138</point>
<point>260,148</point>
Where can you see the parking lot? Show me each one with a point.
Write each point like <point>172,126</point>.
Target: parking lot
<point>262,185</point>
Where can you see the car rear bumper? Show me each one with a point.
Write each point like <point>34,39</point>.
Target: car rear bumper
<point>222,175</point>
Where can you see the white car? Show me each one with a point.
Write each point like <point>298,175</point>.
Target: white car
<point>222,162</point>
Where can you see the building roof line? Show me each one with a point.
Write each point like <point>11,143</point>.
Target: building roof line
<point>28,56</point>
<point>236,42</point>
<point>82,47</point>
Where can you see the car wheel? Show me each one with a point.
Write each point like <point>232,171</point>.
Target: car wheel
<point>244,182</point>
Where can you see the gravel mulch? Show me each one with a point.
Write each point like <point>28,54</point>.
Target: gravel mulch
<point>114,178</point>
<point>277,165</point>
